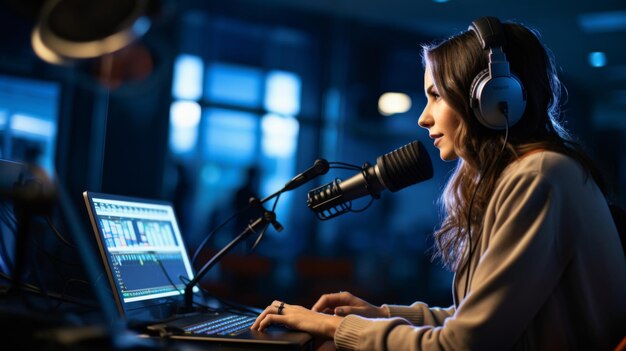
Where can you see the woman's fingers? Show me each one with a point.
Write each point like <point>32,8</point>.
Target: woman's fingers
<point>322,304</point>
<point>297,317</point>
<point>358,310</point>
<point>327,311</point>
<point>271,319</point>
<point>272,308</point>
<point>330,301</point>
<point>270,316</point>
<point>342,311</point>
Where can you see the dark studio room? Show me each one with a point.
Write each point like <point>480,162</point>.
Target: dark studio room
<point>350,175</point>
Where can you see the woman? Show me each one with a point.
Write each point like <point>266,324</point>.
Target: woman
<point>537,258</point>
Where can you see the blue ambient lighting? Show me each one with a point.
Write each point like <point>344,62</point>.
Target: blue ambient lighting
<point>603,22</point>
<point>597,59</point>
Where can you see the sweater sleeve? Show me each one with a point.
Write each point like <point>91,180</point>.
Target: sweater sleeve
<point>513,278</point>
<point>420,314</point>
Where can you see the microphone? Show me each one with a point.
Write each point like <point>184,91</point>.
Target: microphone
<point>398,169</point>
<point>320,166</point>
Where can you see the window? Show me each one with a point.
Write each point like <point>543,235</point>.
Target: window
<point>234,84</point>
<point>28,130</point>
<point>231,137</point>
<point>227,118</point>
<point>28,121</point>
<point>184,121</point>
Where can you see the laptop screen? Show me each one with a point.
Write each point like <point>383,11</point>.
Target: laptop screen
<point>142,248</point>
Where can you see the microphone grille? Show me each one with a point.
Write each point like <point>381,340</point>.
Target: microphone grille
<point>407,165</point>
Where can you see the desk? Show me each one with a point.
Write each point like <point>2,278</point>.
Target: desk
<point>27,330</point>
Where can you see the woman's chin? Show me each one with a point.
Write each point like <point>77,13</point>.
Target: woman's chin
<point>448,156</point>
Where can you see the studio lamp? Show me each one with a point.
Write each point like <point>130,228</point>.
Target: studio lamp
<point>69,30</point>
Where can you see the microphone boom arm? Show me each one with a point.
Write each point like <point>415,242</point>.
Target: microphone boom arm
<point>268,217</point>
<point>320,167</point>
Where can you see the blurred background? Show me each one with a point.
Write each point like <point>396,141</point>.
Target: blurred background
<point>217,101</point>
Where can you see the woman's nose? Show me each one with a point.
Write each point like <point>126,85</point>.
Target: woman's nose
<point>425,120</point>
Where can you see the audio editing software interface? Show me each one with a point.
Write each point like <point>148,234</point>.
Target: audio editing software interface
<point>144,246</point>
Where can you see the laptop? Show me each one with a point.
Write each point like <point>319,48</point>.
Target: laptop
<point>147,264</point>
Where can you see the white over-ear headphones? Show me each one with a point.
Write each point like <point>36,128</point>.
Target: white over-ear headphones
<point>497,97</point>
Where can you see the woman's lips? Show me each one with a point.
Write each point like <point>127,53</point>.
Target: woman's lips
<point>437,138</point>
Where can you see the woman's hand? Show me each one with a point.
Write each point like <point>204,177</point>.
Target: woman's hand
<point>298,317</point>
<point>343,303</point>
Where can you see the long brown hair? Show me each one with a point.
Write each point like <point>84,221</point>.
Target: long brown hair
<point>483,153</point>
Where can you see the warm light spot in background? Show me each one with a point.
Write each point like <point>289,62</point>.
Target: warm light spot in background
<point>392,103</point>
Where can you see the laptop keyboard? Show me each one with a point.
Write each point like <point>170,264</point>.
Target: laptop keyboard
<point>229,325</point>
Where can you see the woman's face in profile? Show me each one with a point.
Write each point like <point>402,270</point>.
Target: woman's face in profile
<point>440,119</point>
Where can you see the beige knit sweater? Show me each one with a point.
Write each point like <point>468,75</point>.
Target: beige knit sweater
<point>548,273</point>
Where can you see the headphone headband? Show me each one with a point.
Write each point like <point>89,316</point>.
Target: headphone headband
<point>489,31</point>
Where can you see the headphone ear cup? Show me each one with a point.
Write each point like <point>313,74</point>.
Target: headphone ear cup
<point>488,95</point>
<point>475,94</point>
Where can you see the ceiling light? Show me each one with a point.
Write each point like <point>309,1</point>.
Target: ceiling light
<point>392,103</point>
